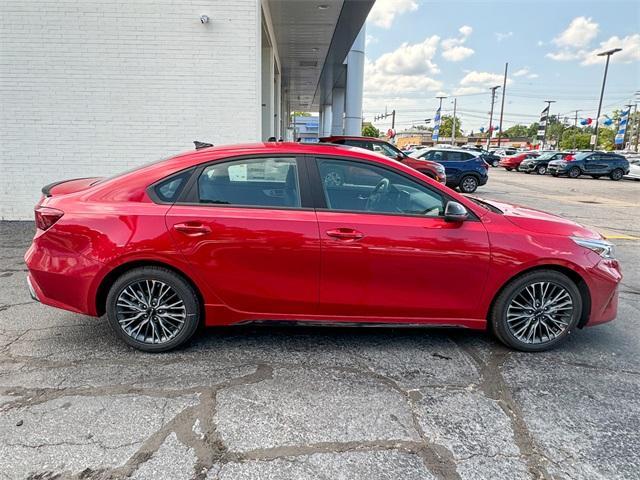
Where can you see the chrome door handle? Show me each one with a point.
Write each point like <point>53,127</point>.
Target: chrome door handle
<point>192,228</point>
<point>345,234</point>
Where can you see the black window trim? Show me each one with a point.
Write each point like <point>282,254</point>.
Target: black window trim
<point>320,201</point>
<point>190,196</point>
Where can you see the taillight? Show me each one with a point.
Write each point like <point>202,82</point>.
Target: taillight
<point>568,158</point>
<point>46,217</point>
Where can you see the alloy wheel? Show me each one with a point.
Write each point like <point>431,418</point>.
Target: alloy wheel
<point>150,311</point>
<point>542,170</point>
<point>539,312</point>
<point>469,185</point>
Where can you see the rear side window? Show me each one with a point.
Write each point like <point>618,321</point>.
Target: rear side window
<point>454,156</point>
<point>170,189</point>
<point>263,182</point>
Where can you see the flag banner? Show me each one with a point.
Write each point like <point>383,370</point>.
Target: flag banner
<point>542,124</point>
<point>436,126</point>
<point>622,128</point>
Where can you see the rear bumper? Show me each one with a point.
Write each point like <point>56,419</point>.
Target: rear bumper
<point>61,279</point>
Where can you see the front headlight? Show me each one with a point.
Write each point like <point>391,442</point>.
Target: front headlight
<point>601,247</point>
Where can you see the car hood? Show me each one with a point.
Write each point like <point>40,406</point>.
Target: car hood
<point>542,222</point>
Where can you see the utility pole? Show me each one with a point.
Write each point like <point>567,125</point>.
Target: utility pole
<point>386,115</point>
<point>637,122</point>
<point>575,130</point>
<point>504,92</point>
<point>493,99</point>
<point>440,106</point>
<point>608,54</point>
<point>453,124</point>
<point>544,135</point>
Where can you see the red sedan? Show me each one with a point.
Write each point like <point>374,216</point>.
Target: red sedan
<point>234,234</point>
<point>512,162</point>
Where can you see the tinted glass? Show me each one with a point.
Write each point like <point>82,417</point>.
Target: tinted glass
<point>454,156</point>
<point>267,182</point>
<point>368,188</point>
<point>170,189</point>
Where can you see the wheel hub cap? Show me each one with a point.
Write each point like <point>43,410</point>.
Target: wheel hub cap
<point>150,311</point>
<point>539,312</point>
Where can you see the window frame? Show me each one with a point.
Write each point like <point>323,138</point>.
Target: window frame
<point>190,194</point>
<point>320,202</point>
<point>151,189</point>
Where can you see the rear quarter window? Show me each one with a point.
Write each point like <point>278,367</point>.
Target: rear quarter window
<point>169,190</point>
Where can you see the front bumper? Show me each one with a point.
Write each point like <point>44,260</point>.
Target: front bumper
<point>528,167</point>
<point>557,169</point>
<point>603,283</point>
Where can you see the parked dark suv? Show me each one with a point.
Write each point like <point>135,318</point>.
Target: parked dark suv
<point>465,169</point>
<point>594,164</point>
<point>541,163</point>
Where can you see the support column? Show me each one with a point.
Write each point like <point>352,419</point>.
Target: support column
<point>326,119</point>
<point>337,112</point>
<point>353,94</point>
<point>320,123</point>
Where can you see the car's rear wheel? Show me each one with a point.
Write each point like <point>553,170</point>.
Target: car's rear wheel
<point>574,172</point>
<point>468,184</point>
<point>153,309</point>
<point>495,163</point>
<point>541,170</point>
<point>508,169</point>
<point>616,175</point>
<point>537,311</point>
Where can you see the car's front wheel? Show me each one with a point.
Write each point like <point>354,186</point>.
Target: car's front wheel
<point>541,170</point>
<point>537,311</point>
<point>153,309</point>
<point>468,184</point>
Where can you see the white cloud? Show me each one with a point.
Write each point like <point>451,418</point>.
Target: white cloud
<point>384,12</point>
<point>540,43</point>
<point>465,30</point>
<point>503,36</point>
<point>630,50</point>
<point>457,54</point>
<point>467,90</point>
<point>566,55</point>
<point>578,34</point>
<point>370,39</point>
<point>453,49</point>
<point>533,75</point>
<point>521,73</point>
<point>410,59</point>
<point>486,79</point>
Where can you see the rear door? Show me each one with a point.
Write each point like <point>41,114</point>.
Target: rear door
<point>247,227</point>
<point>596,164</point>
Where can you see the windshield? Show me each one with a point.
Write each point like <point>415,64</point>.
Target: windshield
<point>547,156</point>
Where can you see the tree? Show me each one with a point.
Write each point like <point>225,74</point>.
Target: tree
<point>299,114</point>
<point>446,123</point>
<point>516,131</point>
<point>369,130</point>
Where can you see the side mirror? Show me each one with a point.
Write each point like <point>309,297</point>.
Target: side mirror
<point>455,212</point>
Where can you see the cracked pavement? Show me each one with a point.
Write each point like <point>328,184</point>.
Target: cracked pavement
<point>259,402</point>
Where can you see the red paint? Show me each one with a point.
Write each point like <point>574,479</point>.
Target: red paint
<point>514,161</point>
<point>304,264</point>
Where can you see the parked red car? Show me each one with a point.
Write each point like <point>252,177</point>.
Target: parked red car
<point>512,162</point>
<point>234,234</point>
<point>429,168</point>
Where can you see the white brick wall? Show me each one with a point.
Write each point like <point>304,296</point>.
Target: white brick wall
<point>96,87</point>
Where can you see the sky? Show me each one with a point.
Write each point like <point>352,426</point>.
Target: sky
<point>419,49</point>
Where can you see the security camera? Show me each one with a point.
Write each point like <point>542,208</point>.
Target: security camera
<point>204,19</point>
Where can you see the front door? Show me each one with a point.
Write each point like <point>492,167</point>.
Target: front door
<point>249,237</point>
<point>387,252</point>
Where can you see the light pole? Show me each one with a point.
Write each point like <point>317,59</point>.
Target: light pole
<point>453,123</point>
<point>608,54</point>
<point>493,99</point>
<point>546,123</point>
<point>504,92</point>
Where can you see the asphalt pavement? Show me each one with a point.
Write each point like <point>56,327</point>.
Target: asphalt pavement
<point>334,403</point>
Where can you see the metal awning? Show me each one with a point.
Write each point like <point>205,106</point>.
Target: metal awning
<point>313,39</point>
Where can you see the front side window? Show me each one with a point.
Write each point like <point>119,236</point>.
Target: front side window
<point>369,188</point>
<point>265,182</point>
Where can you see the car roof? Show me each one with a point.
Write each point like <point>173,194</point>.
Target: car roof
<point>460,150</point>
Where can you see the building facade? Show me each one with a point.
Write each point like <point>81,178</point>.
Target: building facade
<point>94,88</point>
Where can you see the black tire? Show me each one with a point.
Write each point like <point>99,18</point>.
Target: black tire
<point>555,174</point>
<point>498,315</point>
<point>182,289</point>
<point>468,184</point>
<point>518,168</point>
<point>541,169</point>
<point>528,172</point>
<point>617,174</point>
<point>495,163</point>
<point>508,169</point>
<point>574,172</point>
